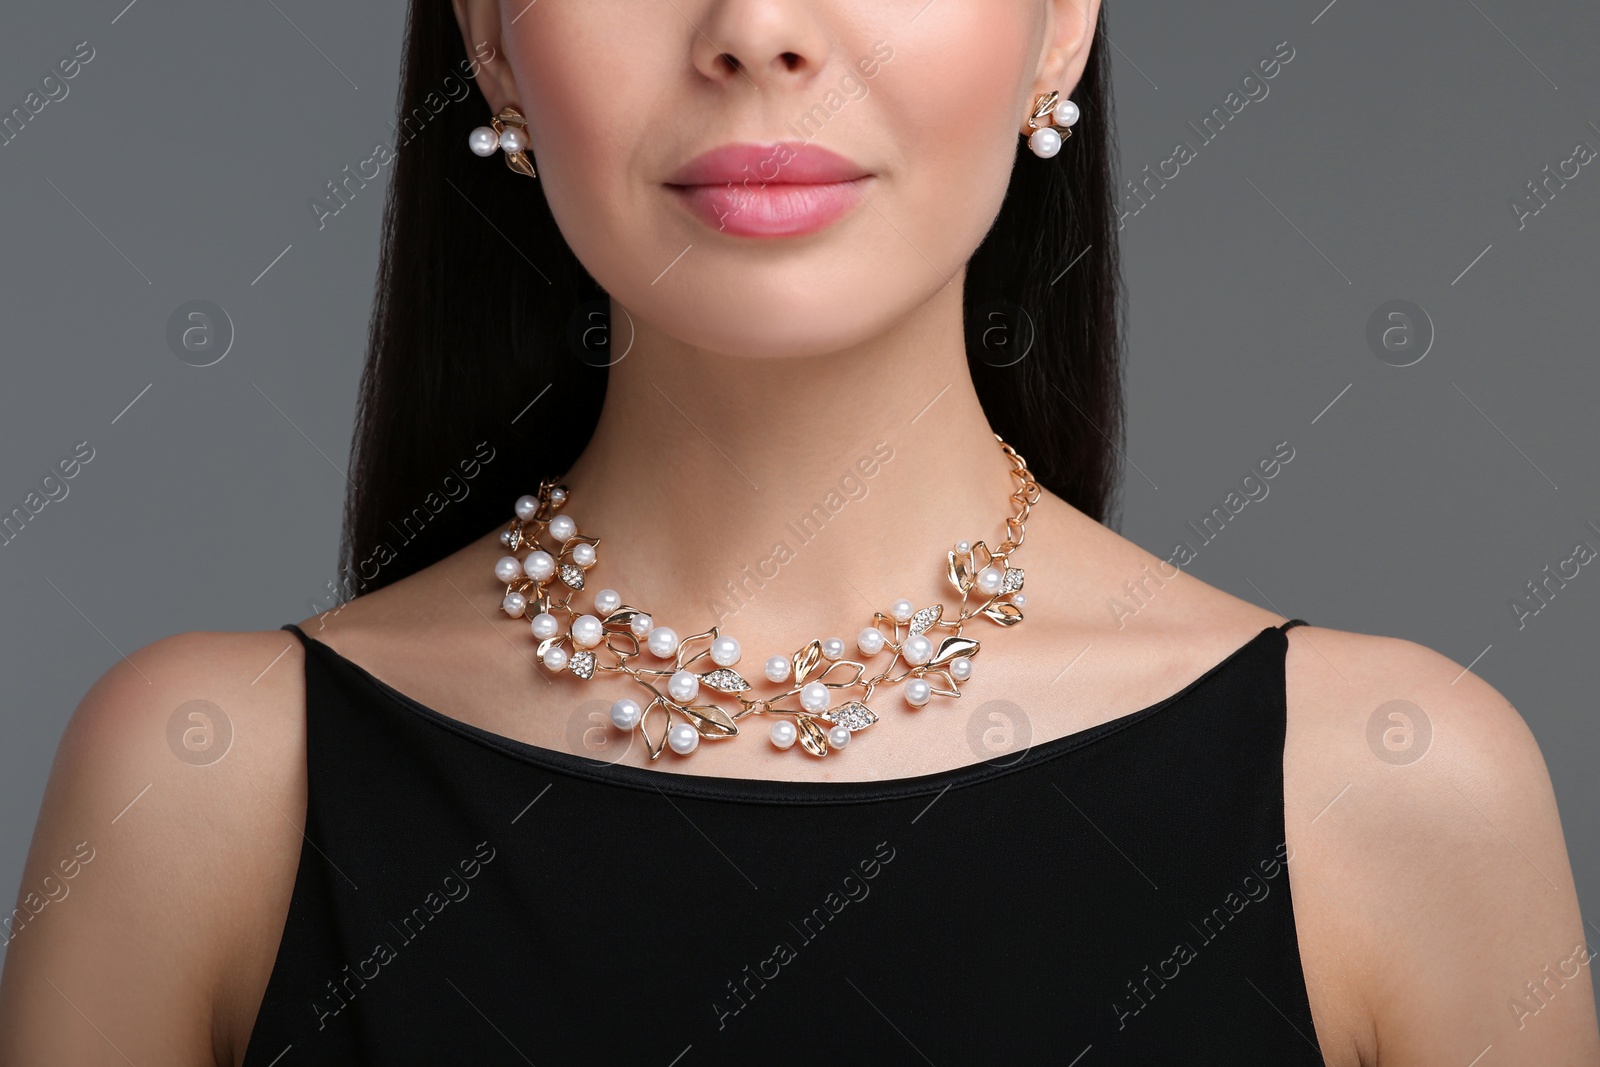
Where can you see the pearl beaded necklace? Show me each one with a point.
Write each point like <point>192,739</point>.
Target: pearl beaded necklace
<point>680,693</point>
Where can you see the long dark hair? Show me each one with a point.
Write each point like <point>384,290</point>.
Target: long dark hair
<point>481,308</point>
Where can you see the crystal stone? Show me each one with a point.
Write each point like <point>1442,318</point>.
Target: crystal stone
<point>853,716</point>
<point>725,681</point>
<point>582,664</point>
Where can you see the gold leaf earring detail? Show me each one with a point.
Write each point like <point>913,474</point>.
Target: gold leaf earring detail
<point>1051,124</point>
<point>508,131</point>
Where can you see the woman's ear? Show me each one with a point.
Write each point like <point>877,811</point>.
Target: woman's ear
<point>479,21</point>
<point>1071,34</point>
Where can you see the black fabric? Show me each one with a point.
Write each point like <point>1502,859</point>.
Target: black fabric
<point>1118,895</point>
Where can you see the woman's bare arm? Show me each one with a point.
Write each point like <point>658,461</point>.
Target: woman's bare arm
<point>1437,887</point>
<point>153,894</point>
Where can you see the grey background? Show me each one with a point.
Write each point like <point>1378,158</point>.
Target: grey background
<point>1420,500</point>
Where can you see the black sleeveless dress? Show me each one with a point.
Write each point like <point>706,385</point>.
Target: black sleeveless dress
<point>1119,895</point>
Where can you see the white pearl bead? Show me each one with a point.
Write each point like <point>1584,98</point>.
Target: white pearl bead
<point>917,692</point>
<point>963,547</point>
<point>562,528</point>
<point>838,737</point>
<point>505,538</point>
<point>870,641</point>
<point>558,495</point>
<point>961,668</point>
<point>901,611</point>
<point>777,668</point>
<point>683,686</point>
<point>513,139</point>
<point>832,648</point>
<point>483,141</point>
<point>725,651</point>
<point>514,604</point>
<point>587,631</point>
<point>917,650</point>
<point>989,580</point>
<point>527,506</point>
<point>555,657</point>
<point>1019,600</point>
<point>625,714</point>
<point>507,568</point>
<point>1045,142</point>
<point>814,696</point>
<point>545,625</point>
<point>583,554</point>
<point>663,641</point>
<point>683,738</point>
<point>607,600</point>
<point>784,733</point>
<point>1066,113</point>
<point>539,565</point>
<point>641,625</point>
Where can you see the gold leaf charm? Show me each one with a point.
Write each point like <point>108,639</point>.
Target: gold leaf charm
<point>1004,614</point>
<point>981,557</point>
<point>572,542</point>
<point>960,572</point>
<point>712,721</point>
<point>547,644</point>
<point>621,620</point>
<point>518,161</point>
<point>655,745</point>
<point>623,643</point>
<point>812,739</point>
<point>923,620</point>
<point>951,648</point>
<point>941,683</point>
<point>683,659</point>
<point>847,664</point>
<point>805,661</point>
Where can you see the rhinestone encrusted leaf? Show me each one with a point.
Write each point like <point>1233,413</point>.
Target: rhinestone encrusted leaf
<point>853,716</point>
<point>1013,580</point>
<point>923,620</point>
<point>572,574</point>
<point>724,680</point>
<point>582,664</point>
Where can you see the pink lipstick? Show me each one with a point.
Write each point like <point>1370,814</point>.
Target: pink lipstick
<point>778,190</point>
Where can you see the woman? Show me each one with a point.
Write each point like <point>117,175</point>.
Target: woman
<point>839,248</point>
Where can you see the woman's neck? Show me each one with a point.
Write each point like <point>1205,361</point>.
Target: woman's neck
<point>788,498</point>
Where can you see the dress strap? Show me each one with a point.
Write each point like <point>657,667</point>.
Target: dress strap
<point>1290,625</point>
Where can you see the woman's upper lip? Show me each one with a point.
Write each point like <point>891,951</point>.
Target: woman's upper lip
<point>780,163</point>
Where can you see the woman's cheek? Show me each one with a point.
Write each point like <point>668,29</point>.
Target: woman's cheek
<point>955,121</point>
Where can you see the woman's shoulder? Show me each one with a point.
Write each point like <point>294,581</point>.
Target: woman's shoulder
<point>231,701</point>
<point>1430,874</point>
<point>1428,865</point>
<point>163,856</point>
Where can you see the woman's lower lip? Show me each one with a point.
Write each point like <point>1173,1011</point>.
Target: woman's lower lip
<point>771,210</point>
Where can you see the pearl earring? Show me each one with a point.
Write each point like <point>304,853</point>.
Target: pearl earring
<point>508,131</point>
<point>1051,124</point>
